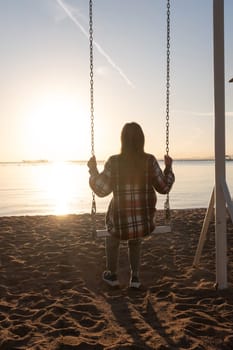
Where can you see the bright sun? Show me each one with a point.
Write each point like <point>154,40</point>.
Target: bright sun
<point>58,129</point>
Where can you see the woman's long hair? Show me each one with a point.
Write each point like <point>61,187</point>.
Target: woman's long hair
<point>132,150</point>
<point>132,140</point>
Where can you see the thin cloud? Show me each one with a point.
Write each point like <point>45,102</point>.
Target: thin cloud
<point>98,47</point>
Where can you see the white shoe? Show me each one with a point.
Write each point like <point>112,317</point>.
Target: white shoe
<point>134,282</point>
<point>110,279</point>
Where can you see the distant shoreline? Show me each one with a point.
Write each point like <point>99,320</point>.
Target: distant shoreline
<point>99,161</point>
<point>46,161</point>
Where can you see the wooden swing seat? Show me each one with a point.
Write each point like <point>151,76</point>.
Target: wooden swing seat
<point>157,230</point>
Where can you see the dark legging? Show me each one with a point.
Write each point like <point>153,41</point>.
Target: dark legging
<point>112,254</point>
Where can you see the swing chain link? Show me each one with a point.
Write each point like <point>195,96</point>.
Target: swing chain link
<point>93,206</point>
<point>91,76</point>
<point>167,202</point>
<point>168,78</point>
<point>93,216</point>
<point>167,210</point>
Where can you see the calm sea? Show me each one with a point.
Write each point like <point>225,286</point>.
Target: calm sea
<point>62,188</point>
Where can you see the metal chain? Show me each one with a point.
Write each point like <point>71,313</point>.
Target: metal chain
<point>167,203</point>
<point>93,206</point>
<point>167,210</point>
<point>91,77</point>
<point>168,78</point>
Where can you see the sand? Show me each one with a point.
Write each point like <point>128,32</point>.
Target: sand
<point>52,295</point>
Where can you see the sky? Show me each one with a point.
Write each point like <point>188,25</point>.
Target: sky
<point>45,87</point>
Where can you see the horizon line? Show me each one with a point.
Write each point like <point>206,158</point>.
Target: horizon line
<point>46,161</point>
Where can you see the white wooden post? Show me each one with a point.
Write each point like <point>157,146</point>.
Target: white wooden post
<point>221,192</point>
<point>220,172</point>
<point>205,226</point>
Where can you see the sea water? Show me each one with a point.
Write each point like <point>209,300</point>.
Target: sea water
<point>44,188</point>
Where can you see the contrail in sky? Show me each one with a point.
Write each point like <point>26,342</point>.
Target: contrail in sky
<point>98,47</point>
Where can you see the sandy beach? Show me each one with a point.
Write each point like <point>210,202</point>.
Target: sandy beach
<point>52,295</point>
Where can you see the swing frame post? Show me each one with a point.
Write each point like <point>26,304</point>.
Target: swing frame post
<point>221,197</point>
<point>220,168</point>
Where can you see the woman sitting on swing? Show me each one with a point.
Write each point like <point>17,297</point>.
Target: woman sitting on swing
<point>133,176</point>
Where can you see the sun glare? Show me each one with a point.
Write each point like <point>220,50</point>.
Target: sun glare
<point>60,186</point>
<point>57,129</point>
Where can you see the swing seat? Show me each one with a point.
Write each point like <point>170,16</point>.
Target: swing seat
<point>157,230</point>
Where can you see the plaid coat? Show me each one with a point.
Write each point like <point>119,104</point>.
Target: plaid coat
<point>131,211</point>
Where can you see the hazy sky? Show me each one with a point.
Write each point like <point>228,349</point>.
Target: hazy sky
<point>44,92</point>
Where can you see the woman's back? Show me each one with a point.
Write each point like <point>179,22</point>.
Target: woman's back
<point>132,208</point>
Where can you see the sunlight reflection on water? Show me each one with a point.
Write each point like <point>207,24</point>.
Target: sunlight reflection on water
<point>53,188</point>
<point>62,188</point>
